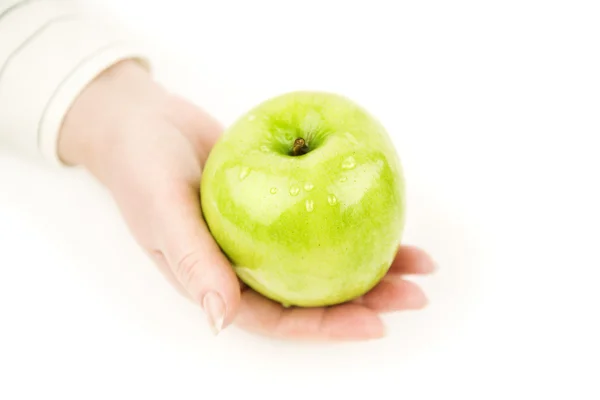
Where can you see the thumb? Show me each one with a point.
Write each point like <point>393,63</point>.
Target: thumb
<point>196,260</point>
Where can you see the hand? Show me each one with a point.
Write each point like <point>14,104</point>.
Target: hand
<point>148,147</point>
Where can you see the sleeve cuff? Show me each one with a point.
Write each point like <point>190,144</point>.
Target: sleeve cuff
<point>73,83</point>
<point>54,62</point>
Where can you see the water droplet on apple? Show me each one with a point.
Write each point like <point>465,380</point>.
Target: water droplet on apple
<point>244,172</point>
<point>349,163</point>
<point>273,190</point>
<point>310,205</point>
<point>332,200</point>
<point>344,178</point>
<point>294,190</point>
<point>264,148</point>
<point>251,117</point>
<point>308,186</point>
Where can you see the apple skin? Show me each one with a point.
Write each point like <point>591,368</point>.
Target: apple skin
<point>309,230</point>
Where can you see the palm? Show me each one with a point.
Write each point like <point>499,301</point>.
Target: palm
<point>191,260</point>
<point>355,320</point>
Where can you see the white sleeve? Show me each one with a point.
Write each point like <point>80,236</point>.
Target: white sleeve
<point>50,50</point>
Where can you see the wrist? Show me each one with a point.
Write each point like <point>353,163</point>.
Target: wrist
<point>98,118</point>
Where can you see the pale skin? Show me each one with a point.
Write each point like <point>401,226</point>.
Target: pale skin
<point>147,147</point>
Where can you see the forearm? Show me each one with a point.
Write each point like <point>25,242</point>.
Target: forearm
<point>50,51</point>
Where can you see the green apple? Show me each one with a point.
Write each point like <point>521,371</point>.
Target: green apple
<point>305,196</point>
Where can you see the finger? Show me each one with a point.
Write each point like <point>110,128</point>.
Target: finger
<point>344,322</point>
<point>195,259</point>
<point>394,294</point>
<point>163,267</point>
<point>412,260</point>
<point>202,129</point>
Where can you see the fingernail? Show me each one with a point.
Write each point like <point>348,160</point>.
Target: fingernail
<point>214,307</point>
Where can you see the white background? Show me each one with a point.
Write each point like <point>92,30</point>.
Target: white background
<point>494,108</point>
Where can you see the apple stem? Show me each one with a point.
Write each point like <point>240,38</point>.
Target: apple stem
<point>300,147</point>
